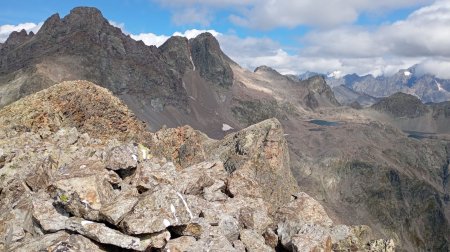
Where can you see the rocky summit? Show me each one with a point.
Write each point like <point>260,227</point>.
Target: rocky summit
<point>68,184</point>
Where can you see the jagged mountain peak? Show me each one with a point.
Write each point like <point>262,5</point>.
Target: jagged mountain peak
<point>208,40</point>
<point>79,18</point>
<point>176,41</point>
<point>82,16</point>
<point>49,24</point>
<point>210,60</point>
<point>265,68</point>
<point>176,50</point>
<point>20,37</point>
<point>85,10</point>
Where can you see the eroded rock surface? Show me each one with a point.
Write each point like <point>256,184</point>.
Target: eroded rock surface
<point>71,187</point>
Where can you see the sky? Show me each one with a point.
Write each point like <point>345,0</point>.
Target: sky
<point>291,36</point>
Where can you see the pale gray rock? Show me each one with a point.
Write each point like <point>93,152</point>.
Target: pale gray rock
<point>304,209</point>
<point>46,215</point>
<point>59,241</point>
<point>259,156</point>
<point>215,191</point>
<point>156,211</point>
<point>122,157</point>
<point>150,174</point>
<point>217,243</point>
<point>253,241</point>
<point>310,238</point>
<point>66,137</point>
<point>239,246</point>
<point>114,211</point>
<point>229,227</point>
<point>103,234</point>
<point>194,179</point>
<point>84,196</point>
<point>183,244</point>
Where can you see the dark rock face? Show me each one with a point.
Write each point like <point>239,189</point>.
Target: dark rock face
<point>212,63</point>
<point>401,105</point>
<point>17,38</point>
<point>176,50</point>
<point>318,90</point>
<point>83,45</point>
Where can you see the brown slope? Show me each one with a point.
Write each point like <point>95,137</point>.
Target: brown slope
<point>368,172</point>
<point>81,104</point>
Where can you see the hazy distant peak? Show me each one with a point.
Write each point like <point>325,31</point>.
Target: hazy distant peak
<point>265,68</point>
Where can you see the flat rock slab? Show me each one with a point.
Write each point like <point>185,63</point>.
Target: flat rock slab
<point>156,211</point>
<point>101,233</point>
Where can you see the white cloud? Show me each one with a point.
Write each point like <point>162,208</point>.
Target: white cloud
<point>194,33</point>
<point>118,25</point>
<point>150,38</point>
<point>421,39</point>
<point>201,16</point>
<point>5,30</point>
<point>209,3</point>
<point>424,33</point>
<point>267,14</point>
<point>158,40</point>
<point>440,67</point>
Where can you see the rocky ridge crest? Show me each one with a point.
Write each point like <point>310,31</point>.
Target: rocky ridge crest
<point>66,185</point>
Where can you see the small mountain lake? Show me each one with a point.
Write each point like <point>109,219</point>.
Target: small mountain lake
<point>419,135</point>
<point>324,123</point>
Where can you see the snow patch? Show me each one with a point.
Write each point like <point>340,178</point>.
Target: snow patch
<point>192,62</point>
<point>185,205</point>
<point>407,73</point>
<point>226,127</point>
<point>166,222</point>
<point>440,88</point>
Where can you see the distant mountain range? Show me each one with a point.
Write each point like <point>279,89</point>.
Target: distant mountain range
<point>426,87</point>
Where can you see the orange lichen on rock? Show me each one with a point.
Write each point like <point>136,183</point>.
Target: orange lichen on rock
<point>81,104</point>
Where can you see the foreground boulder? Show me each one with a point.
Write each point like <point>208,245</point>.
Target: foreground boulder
<point>73,188</point>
